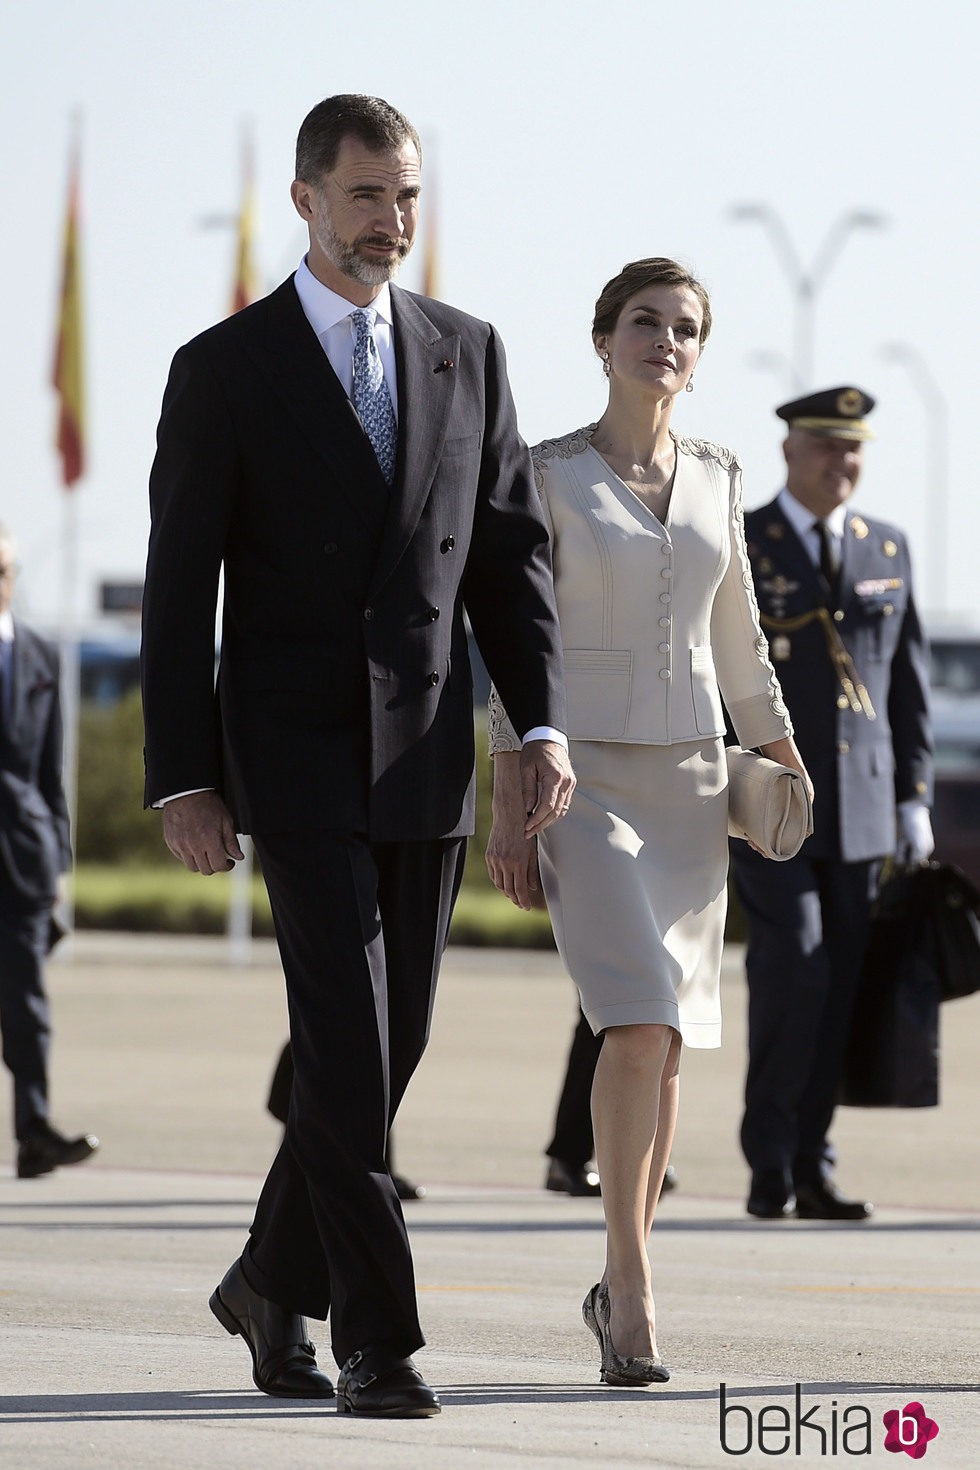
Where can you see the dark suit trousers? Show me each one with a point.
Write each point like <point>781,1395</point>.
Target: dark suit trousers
<point>361,929</point>
<point>573,1142</point>
<point>24,1018</point>
<point>808,929</point>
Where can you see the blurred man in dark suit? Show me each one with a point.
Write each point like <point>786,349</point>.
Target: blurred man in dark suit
<point>34,852</point>
<point>836,602</point>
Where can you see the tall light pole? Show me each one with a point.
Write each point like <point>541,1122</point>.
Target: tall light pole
<point>805,282</point>
<point>778,364</point>
<point>937,450</point>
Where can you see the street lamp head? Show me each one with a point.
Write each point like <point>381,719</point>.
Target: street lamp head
<point>749,211</point>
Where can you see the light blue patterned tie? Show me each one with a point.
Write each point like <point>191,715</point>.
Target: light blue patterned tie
<point>370,393</point>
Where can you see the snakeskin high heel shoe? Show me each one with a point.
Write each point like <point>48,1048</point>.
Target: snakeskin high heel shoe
<point>616,1371</point>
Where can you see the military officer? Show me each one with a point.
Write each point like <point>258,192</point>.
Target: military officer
<point>836,602</point>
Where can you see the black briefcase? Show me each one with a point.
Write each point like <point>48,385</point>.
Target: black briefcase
<point>892,1058</point>
<point>949,908</point>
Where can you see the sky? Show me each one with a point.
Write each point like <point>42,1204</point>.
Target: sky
<point>562,139</point>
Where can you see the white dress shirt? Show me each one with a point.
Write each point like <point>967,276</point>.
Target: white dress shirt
<point>805,523</point>
<point>331,318</point>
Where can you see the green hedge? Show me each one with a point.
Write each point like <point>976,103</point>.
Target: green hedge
<point>170,900</point>
<point>126,879</point>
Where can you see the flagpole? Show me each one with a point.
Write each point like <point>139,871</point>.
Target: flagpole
<point>431,285</point>
<point>69,382</point>
<point>243,292</point>
<point>70,688</point>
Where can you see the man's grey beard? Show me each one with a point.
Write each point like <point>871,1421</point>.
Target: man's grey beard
<point>352,264</point>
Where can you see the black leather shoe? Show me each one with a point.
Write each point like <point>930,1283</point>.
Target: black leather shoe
<point>379,1386</point>
<point>576,1179</point>
<point>824,1201</point>
<point>405,1189</point>
<point>770,1206</point>
<point>770,1195</point>
<point>44,1149</point>
<point>283,1358</point>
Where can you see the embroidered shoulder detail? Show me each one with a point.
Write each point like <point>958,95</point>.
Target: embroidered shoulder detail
<point>704,449</point>
<point>564,448</point>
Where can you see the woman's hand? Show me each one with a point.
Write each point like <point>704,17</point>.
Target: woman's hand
<point>785,752</point>
<point>512,856</point>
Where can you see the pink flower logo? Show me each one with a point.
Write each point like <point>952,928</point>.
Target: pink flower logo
<point>909,1429</point>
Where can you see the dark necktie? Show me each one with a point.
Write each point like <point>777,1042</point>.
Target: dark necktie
<point>829,557</point>
<point>6,680</point>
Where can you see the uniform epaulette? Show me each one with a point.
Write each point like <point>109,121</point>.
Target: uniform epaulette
<point>704,449</point>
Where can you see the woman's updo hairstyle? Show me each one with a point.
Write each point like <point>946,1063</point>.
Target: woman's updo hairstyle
<point>635,277</point>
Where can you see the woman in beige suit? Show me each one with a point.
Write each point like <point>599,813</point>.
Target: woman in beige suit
<point>659,625</point>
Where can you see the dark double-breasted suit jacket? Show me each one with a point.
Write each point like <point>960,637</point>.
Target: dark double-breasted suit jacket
<point>34,838</point>
<point>860,767</point>
<point>344,691</point>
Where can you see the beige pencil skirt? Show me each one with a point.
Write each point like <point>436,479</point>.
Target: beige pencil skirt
<point>636,881</point>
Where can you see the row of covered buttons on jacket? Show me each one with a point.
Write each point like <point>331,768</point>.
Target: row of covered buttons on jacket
<point>663,647</point>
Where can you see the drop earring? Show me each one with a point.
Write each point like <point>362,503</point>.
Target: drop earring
<point>690,384</point>
<point>605,363</point>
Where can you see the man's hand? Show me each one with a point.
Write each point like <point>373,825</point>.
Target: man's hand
<point>199,831</point>
<point>547,783</point>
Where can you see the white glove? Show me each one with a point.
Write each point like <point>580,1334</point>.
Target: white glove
<point>915,840</point>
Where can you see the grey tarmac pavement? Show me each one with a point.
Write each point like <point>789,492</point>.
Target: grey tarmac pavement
<point>110,1358</point>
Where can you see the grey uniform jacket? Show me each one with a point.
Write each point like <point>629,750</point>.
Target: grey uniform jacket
<point>861,760</point>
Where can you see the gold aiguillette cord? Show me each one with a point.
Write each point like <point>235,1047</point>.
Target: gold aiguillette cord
<point>847,674</point>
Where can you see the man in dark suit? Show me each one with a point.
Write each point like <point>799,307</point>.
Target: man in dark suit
<point>836,601</point>
<point>348,453</point>
<point>34,852</point>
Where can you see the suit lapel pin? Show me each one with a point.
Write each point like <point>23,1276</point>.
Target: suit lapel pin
<point>859,527</point>
<point>890,549</point>
<point>444,366</point>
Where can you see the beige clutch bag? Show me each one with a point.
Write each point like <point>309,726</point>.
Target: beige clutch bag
<point>767,803</point>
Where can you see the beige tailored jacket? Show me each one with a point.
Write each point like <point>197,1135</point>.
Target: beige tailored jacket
<point>659,622</point>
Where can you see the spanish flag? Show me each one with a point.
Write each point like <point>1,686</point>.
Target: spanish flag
<point>244,288</point>
<point>69,372</point>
